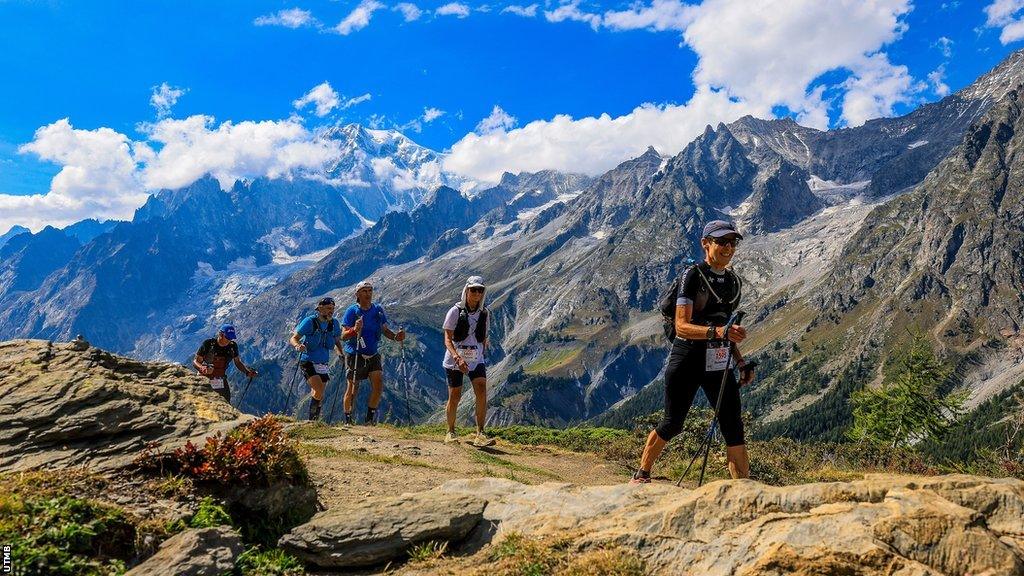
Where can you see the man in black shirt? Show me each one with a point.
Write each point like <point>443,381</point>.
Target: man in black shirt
<point>708,295</point>
<point>213,356</point>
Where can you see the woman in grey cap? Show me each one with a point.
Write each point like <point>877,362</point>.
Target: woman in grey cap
<point>465,342</point>
<point>709,293</point>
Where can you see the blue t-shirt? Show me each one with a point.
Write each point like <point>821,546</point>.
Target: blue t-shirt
<point>373,321</point>
<point>317,339</point>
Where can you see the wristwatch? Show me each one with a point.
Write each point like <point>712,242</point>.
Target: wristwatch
<point>711,332</point>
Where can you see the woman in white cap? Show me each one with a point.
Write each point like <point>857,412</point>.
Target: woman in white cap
<point>465,342</point>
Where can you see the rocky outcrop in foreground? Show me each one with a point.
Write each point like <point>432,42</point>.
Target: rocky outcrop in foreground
<point>68,404</point>
<point>920,526</point>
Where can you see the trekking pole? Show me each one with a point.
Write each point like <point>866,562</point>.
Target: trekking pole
<point>337,391</point>
<point>706,440</point>
<point>737,317</point>
<point>404,370</point>
<point>291,385</point>
<point>241,398</point>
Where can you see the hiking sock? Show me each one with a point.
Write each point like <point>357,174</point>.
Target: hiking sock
<point>371,416</point>
<point>314,409</point>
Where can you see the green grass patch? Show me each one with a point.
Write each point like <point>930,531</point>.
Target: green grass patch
<point>577,439</point>
<point>257,561</point>
<point>551,360</point>
<point>314,431</point>
<point>53,531</point>
<point>321,451</point>
<point>492,460</point>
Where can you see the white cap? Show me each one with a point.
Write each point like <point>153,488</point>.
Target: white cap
<point>364,284</point>
<point>475,282</point>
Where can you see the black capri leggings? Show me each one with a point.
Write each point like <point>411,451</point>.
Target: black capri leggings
<point>683,375</point>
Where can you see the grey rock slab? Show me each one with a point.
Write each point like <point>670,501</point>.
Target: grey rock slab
<point>196,552</point>
<point>376,530</point>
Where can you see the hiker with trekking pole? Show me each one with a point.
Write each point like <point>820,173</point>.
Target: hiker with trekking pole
<point>313,339</point>
<point>212,357</point>
<point>704,326</point>
<point>363,324</point>
<point>465,343</point>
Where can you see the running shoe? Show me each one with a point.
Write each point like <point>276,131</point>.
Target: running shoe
<point>450,438</point>
<point>480,440</point>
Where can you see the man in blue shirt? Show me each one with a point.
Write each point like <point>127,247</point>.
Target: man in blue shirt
<point>363,323</point>
<point>313,339</point>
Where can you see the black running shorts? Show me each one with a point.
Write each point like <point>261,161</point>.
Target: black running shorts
<point>362,366</point>
<point>455,377</point>
<point>310,370</point>
<point>684,374</point>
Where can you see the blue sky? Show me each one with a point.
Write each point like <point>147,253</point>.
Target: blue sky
<point>97,65</point>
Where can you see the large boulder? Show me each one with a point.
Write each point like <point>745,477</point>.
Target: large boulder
<point>196,552</point>
<point>376,530</point>
<point>956,525</point>
<point>69,405</point>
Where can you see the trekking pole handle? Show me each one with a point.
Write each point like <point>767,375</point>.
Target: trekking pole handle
<point>737,319</point>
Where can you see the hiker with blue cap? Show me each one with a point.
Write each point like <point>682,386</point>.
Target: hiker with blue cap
<point>699,310</point>
<point>313,339</point>
<point>211,360</point>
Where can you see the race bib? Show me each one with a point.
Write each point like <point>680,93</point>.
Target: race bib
<point>717,357</point>
<point>217,383</point>
<point>470,355</point>
<point>320,368</point>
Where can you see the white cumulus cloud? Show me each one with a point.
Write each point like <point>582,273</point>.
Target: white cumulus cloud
<point>188,149</point>
<point>350,102</point>
<point>359,18</point>
<point>590,145</point>
<point>164,98</point>
<point>752,58</point>
<point>431,114</point>
<point>456,9</point>
<point>289,18</point>
<point>524,11</point>
<point>497,121</point>
<point>937,78</point>
<point>571,11</point>
<point>410,12</point>
<point>98,178</point>
<point>1006,15</point>
<point>659,16</point>
<point>322,96</point>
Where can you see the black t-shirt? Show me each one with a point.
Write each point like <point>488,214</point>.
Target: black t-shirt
<point>217,355</point>
<point>714,296</point>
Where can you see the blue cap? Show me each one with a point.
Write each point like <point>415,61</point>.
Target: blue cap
<point>228,331</point>
<point>719,228</point>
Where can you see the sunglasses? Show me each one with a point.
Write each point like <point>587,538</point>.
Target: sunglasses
<point>477,290</point>
<point>734,242</point>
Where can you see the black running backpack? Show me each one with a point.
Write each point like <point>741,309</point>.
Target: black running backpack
<point>462,326</point>
<point>667,303</point>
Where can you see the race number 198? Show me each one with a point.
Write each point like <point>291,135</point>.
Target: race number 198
<point>8,566</point>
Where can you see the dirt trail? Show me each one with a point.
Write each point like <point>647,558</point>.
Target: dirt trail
<point>362,461</point>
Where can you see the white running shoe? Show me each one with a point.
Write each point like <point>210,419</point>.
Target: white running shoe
<point>450,438</point>
<point>480,440</point>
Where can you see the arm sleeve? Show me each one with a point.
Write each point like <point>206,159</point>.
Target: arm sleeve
<point>234,350</point>
<point>451,319</point>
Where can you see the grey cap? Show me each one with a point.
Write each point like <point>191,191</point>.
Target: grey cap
<point>719,228</point>
<point>475,282</point>
<point>364,284</point>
